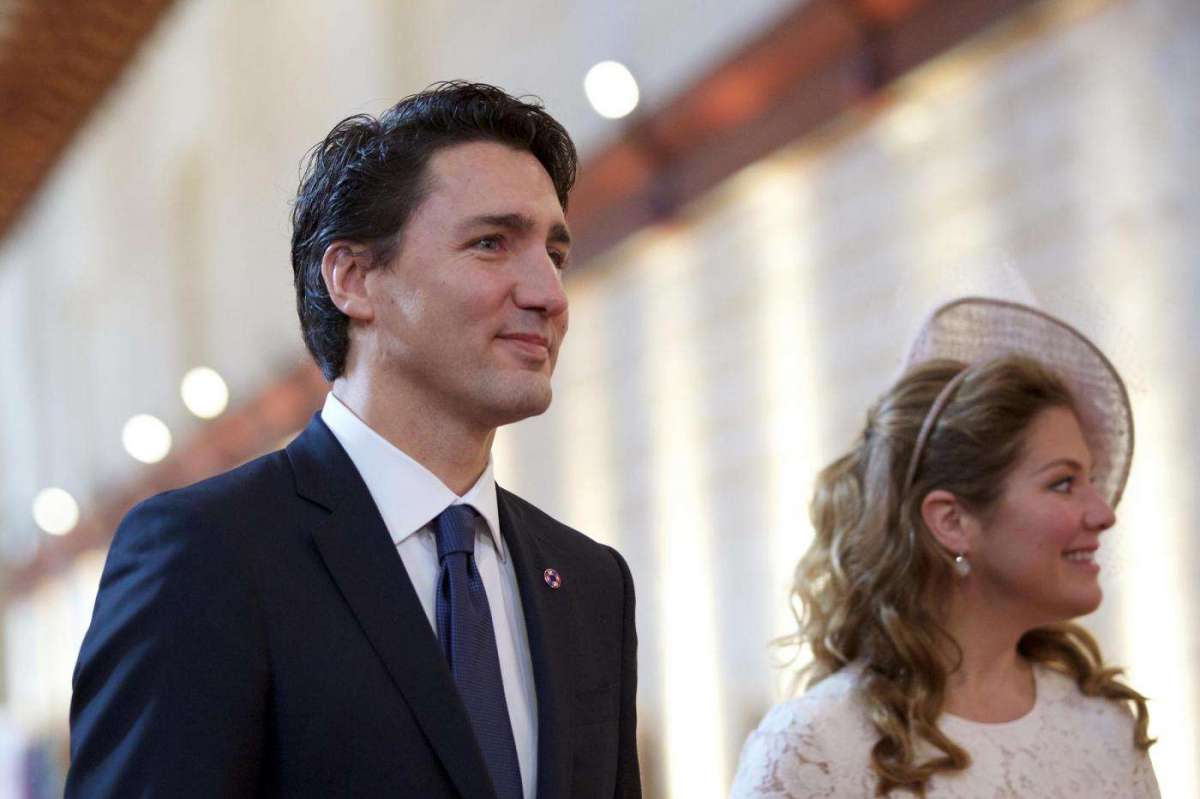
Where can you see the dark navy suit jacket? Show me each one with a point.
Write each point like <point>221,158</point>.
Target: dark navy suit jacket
<point>256,634</point>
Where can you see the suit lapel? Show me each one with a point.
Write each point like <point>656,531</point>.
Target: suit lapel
<point>549,624</point>
<point>355,545</point>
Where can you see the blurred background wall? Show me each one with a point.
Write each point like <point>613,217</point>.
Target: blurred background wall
<point>798,186</point>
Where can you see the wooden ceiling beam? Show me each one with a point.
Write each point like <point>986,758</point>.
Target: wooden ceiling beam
<point>58,58</point>
<point>819,60</point>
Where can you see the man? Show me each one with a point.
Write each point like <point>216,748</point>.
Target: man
<point>365,613</point>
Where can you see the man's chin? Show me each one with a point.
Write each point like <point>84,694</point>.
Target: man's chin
<point>532,399</point>
<point>535,406</point>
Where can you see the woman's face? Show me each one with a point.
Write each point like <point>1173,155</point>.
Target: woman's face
<point>1035,549</point>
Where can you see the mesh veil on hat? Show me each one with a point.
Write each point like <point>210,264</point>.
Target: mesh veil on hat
<point>976,330</point>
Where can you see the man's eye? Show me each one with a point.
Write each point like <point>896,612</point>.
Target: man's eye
<point>489,243</point>
<point>559,258</point>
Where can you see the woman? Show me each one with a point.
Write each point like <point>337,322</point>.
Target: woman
<point>953,545</point>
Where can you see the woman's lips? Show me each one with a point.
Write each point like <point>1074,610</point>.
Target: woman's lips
<point>1085,557</point>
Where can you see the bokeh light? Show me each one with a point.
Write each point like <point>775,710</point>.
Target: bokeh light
<point>611,89</point>
<point>204,392</point>
<point>55,511</point>
<point>146,438</point>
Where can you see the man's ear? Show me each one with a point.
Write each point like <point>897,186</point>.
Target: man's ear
<point>344,268</point>
<point>947,520</point>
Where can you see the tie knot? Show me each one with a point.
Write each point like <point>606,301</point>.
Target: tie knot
<point>454,529</point>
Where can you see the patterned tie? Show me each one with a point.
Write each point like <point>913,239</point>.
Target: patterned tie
<point>464,625</point>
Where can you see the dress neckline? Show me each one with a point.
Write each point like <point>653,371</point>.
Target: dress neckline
<point>1040,689</point>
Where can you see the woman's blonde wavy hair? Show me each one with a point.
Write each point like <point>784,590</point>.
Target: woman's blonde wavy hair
<point>871,586</point>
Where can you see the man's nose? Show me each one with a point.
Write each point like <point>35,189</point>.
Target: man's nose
<point>539,285</point>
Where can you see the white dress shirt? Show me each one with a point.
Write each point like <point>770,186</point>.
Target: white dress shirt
<point>409,497</point>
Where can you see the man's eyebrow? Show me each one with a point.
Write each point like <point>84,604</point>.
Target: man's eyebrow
<point>519,223</point>
<point>559,234</point>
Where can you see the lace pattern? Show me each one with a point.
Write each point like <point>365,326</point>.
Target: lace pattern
<point>1069,745</point>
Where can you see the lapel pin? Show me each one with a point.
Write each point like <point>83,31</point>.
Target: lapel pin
<point>552,578</point>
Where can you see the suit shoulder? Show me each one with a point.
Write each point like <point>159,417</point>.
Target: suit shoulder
<point>535,517</point>
<point>256,482</point>
<point>210,513</point>
<point>563,535</point>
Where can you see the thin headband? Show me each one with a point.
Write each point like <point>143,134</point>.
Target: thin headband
<point>931,417</point>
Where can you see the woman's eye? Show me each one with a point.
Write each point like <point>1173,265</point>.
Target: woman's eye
<point>558,257</point>
<point>1063,486</point>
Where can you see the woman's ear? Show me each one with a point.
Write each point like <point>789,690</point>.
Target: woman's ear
<point>344,268</point>
<point>947,520</point>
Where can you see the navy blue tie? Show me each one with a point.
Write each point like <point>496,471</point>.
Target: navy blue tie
<point>464,624</point>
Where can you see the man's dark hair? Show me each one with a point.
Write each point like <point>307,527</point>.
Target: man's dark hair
<point>363,182</point>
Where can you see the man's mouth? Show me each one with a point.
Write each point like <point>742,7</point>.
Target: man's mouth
<point>533,344</point>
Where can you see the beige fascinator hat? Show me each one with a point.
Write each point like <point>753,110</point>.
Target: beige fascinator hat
<point>976,330</point>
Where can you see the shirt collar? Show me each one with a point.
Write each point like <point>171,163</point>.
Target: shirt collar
<point>408,495</point>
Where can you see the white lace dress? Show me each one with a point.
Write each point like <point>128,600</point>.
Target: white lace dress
<point>1068,745</point>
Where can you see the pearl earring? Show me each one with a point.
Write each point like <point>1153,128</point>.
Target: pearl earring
<point>962,565</point>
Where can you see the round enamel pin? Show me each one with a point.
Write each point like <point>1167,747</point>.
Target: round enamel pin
<point>552,578</point>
